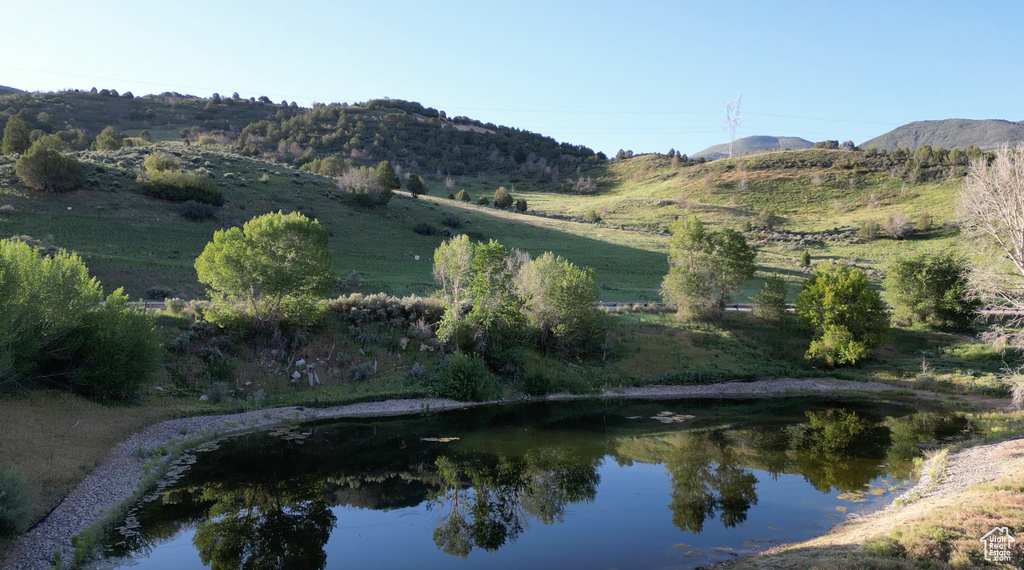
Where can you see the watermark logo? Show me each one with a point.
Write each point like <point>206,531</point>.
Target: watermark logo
<point>998,544</point>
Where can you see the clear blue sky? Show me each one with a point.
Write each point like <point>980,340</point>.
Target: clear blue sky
<point>645,75</point>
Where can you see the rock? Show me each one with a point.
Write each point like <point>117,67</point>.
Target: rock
<point>300,362</point>
<point>203,398</point>
<point>296,375</point>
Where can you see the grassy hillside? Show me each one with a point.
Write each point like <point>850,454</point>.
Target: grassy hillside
<point>950,133</point>
<point>821,198</point>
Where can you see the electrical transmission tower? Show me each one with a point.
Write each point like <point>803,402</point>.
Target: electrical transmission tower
<point>732,119</point>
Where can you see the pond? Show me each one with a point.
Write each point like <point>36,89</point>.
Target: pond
<point>586,484</point>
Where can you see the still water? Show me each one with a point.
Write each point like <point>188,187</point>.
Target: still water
<point>596,484</point>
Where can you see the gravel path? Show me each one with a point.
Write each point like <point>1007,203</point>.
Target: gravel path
<point>964,468</point>
<point>120,474</point>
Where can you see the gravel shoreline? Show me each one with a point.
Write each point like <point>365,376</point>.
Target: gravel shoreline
<point>120,473</point>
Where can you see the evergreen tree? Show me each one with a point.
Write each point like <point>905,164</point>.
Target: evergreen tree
<point>415,185</point>
<point>16,139</point>
<point>386,176</point>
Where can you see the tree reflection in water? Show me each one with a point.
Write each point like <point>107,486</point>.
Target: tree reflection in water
<point>706,480</point>
<point>486,503</point>
<point>267,525</point>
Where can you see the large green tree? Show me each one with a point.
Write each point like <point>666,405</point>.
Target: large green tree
<point>109,139</point>
<point>386,176</point>
<point>849,319</point>
<point>705,268</point>
<point>482,308</point>
<point>274,269</point>
<point>16,136</point>
<point>932,289</point>
<point>415,186</point>
<point>55,332</point>
<point>559,303</point>
<point>45,168</point>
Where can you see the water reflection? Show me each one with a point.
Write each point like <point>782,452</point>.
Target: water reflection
<point>484,504</point>
<point>274,499</point>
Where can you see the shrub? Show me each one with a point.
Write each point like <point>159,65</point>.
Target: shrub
<point>849,319</point>
<point>48,170</point>
<point>109,139</point>
<point>159,161</point>
<point>158,292</point>
<point>897,225</point>
<point>559,303</point>
<point>592,216</point>
<point>502,199</point>
<point>483,201</point>
<point>424,229</point>
<point>869,230</point>
<point>197,211</point>
<point>463,196</point>
<point>15,501</point>
<point>464,378</point>
<point>175,186</point>
<point>16,136</point>
<point>924,222</point>
<point>770,301</point>
<point>174,305</point>
<point>217,392</point>
<point>452,220</point>
<point>119,351</point>
<point>932,289</point>
<point>765,220</point>
<point>520,205</point>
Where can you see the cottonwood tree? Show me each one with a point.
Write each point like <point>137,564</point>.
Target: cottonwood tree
<point>849,320</point>
<point>559,300</point>
<point>705,268</point>
<point>275,268</point>
<point>932,289</point>
<point>991,213</point>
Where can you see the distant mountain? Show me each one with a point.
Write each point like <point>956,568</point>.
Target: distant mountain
<point>9,90</point>
<point>950,133</point>
<point>747,145</point>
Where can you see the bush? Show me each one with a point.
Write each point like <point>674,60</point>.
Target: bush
<point>869,230</point>
<point>158,292</point>
<point>217,392</point>
<point>849,319</point>
<point>452,220</point>
<point>463,196</point>
<point>175,186</point>
<point>15,501</point>
<point>520,205</point>
<point>119,351</point>
<point>160,161</point>
<point>49,170</point>
<point>770,302</point>
<point>483,201</point>
<point>424,229</point>
<point>932,289</point>
<point>765,220</point>
<point>464,378</point>
<point>174,305</point>
<point>197,211</point>
<point>109,139</point>
<point>592,216</point>
<point>502,199</point>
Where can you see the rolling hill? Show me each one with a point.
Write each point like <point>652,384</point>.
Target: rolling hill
<point>747,145</point>
<point>950,133</point>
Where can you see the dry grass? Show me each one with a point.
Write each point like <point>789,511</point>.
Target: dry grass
<point>53,439</point>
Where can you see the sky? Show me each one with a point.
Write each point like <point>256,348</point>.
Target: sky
<point>639,75</point>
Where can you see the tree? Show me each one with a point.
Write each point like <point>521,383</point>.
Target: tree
<point>463,196</point>
<point>481,304</point>
<point>705,268</point>
<point>386,176</point>
<point>849,319</point>
<point>53,329</point>
<point>992,221</point>
<point>109,139</point>
<point>415,185</point>
<point>932,289</point>
<point>559,300</point>
<point>275,269</point>
<point>770,302</point>
<point>16,138</point>
<point>502,199</point>
<point>45,168</point>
